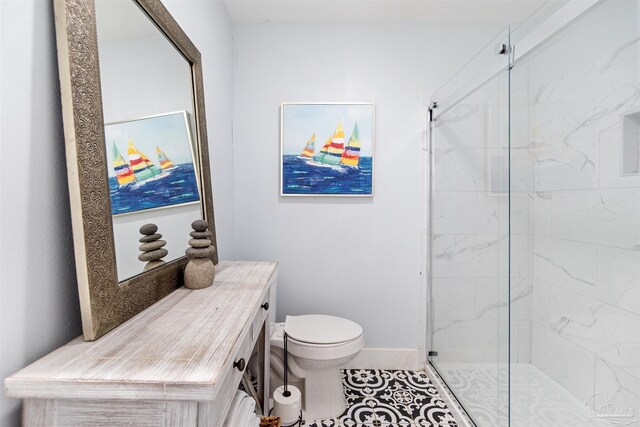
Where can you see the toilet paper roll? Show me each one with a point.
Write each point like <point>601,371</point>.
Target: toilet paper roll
<point>287,408</point>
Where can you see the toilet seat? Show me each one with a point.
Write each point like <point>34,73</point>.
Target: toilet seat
<point>320,330</point>
<point>338,337</point>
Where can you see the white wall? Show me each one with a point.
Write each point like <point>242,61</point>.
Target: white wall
<point>39,308</point>
<point>357,258</point>
<point>143,76</point>
<point>374,278</point>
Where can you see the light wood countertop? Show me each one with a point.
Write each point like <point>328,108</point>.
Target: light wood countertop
<point>177,349</point>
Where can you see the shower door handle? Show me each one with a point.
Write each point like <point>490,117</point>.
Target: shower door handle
<point>502,49</point>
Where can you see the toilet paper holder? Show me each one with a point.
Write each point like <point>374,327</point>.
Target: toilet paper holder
<point>286,392</point>
<point>286,410</point>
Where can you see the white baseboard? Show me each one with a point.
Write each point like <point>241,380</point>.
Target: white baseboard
<point>387,358</point>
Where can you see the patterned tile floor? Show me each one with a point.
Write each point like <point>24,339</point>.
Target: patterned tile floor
<point>381,398</point>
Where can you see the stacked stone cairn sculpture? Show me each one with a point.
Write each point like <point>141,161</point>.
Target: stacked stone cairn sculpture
<point>151,247</point>
<point>200,271</point>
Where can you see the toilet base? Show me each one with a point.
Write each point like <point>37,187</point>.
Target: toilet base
<point>323,394</point>
<point>315,370</point>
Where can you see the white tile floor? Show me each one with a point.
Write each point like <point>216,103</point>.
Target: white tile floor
<point>536,400</point>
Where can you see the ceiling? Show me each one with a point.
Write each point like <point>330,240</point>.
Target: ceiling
<point>327,11</point>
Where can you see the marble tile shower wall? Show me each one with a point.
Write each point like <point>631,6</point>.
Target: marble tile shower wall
<point>470,228</point>
<point>585,216</point>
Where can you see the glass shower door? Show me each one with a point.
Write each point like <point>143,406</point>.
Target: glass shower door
<point>469,234</point>
<point>575,116</point>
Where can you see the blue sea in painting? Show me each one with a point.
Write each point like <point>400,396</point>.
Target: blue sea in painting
<point>172,187</point>
<point>299,177</point>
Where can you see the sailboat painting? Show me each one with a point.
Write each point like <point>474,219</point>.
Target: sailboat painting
<point>342,165</point>
<point>151,163</point>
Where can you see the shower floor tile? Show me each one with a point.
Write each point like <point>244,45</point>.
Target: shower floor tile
<point>536,400</point>
<point>385,398</point>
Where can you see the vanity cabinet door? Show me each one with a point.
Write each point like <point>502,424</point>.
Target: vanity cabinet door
<point>94,413</point>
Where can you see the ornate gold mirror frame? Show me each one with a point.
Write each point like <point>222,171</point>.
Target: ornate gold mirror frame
<point>105,303</point>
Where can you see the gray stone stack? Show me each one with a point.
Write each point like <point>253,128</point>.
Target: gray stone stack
<point>151,247</point>
<point>200,271</point>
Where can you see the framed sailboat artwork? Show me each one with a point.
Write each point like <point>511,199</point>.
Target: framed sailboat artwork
<point>326,149</point>
<point>151,163</point>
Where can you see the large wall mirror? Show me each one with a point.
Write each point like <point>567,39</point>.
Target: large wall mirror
<point>137,153</point>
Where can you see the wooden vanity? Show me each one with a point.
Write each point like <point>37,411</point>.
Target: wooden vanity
<point>177,363</point>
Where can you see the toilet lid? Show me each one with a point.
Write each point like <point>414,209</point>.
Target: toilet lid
<point>321,329</point>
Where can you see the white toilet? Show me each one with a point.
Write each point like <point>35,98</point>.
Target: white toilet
<point>318,345</point>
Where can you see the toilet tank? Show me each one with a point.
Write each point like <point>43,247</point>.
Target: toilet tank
<point>273,291</point>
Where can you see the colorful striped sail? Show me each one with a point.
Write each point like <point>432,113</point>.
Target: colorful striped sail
<point>351,155</point>
<point>323,151</point>
<point>336,147</point>
<point>310,148</point>
<point>138,164</point>
<point>124,174</point>
<point>165,162</point>
<point>154,169</point>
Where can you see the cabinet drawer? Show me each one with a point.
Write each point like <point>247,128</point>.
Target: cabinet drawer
<point>261,317</point>
<point>214,413</point>
<point>243,354</point>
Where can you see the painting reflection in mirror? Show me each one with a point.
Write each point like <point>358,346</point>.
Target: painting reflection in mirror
<point>147,177</point>
<point>143,77</point>
<point>120,61</point>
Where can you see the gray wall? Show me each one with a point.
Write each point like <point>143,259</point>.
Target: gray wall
<point>39,308</point>
<point>356,258</point>
<point>380,286</point>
